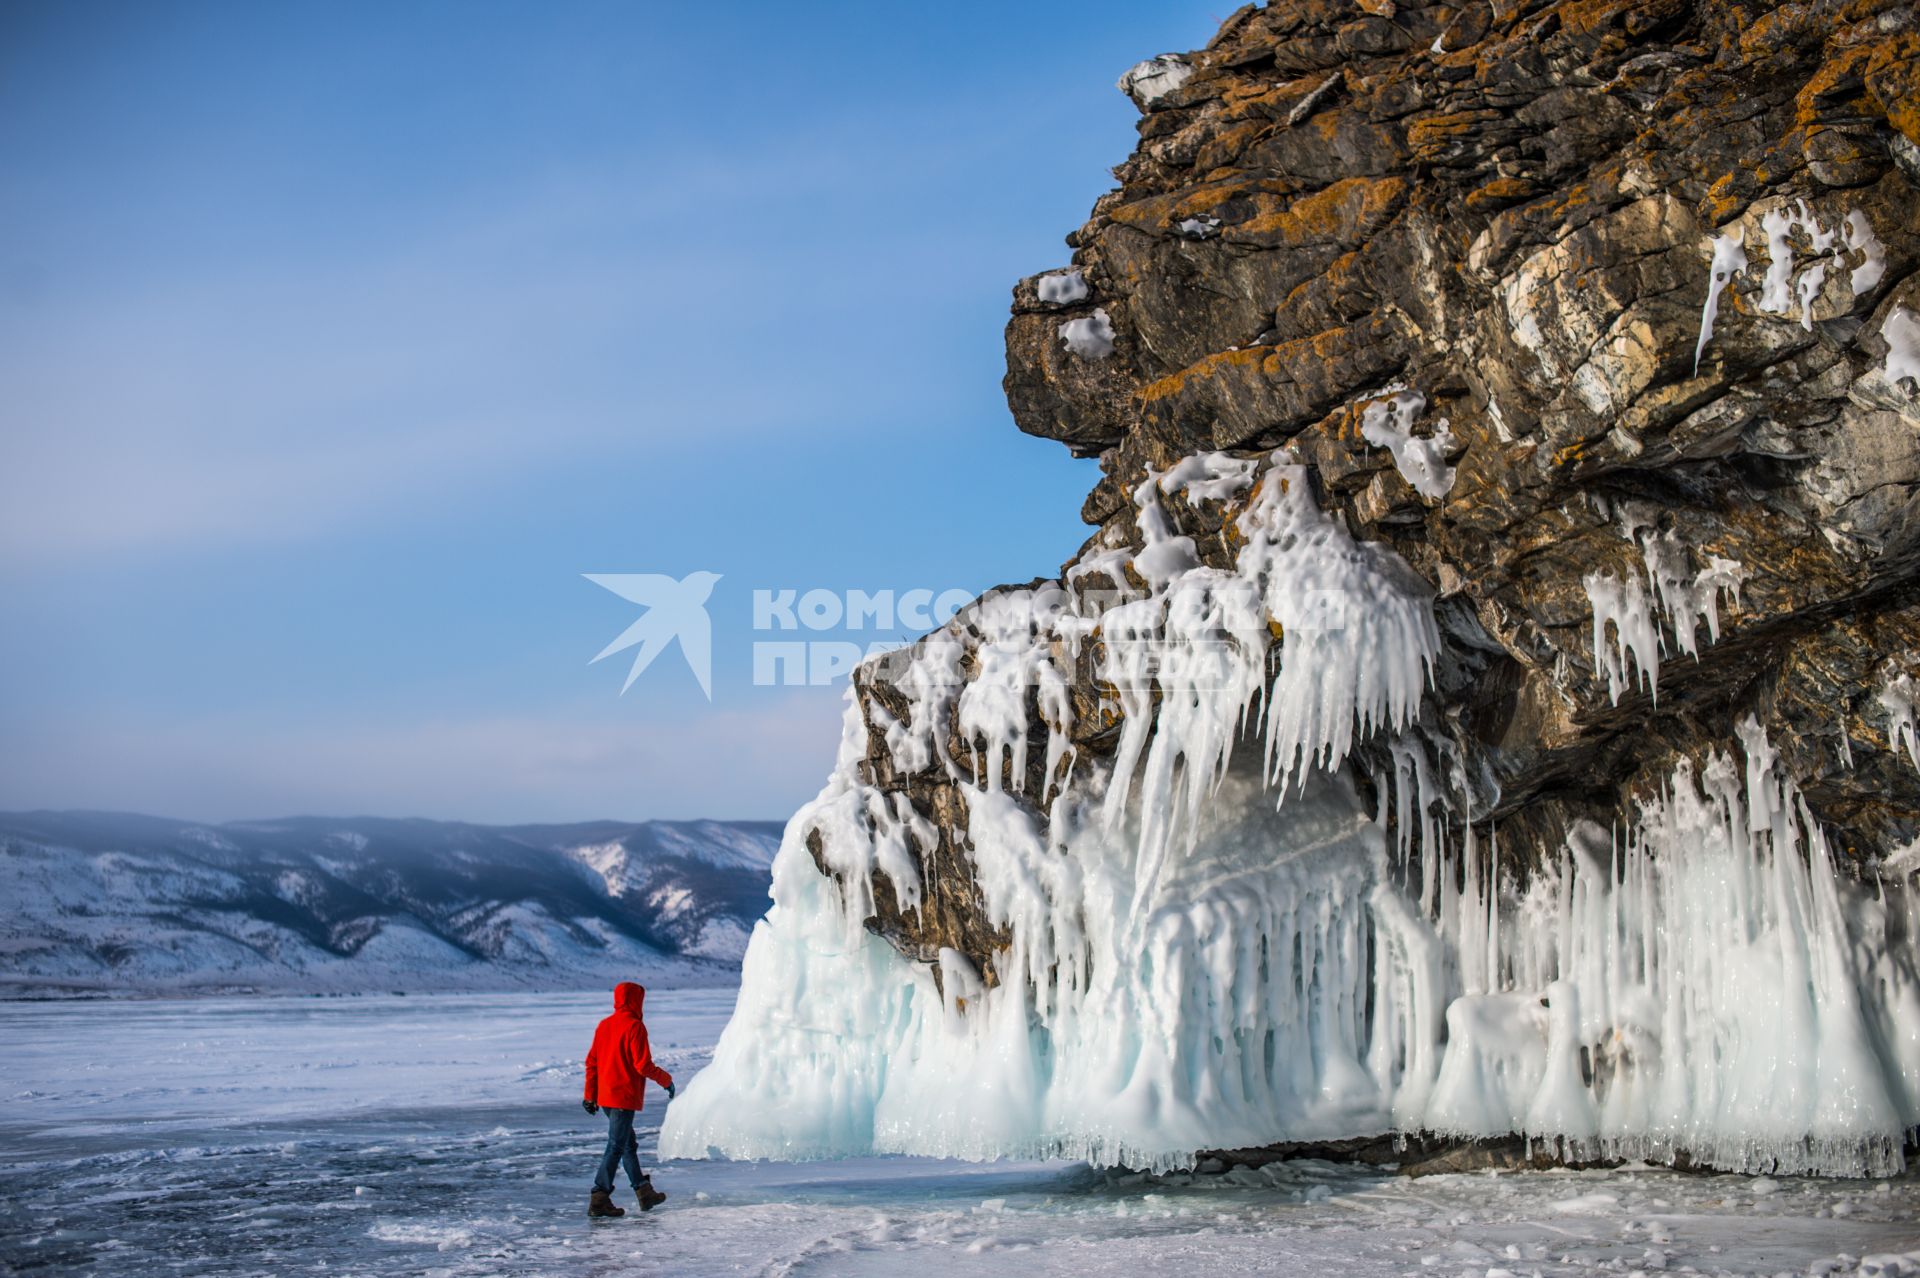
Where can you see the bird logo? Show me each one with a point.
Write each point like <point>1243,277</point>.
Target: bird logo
<point>674,610</point>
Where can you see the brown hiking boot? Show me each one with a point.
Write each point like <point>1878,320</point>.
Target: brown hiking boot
<point>601,1204</point>
<point>649,1196</point>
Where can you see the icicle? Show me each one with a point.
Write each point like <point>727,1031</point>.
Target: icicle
<point>1897,698</point>
<point>1636,639</point>
<point>1011,658</point>
<point>1688,598</point>
<point>1729,259</point>
<point>930,680</point>
<point>1358,627</point>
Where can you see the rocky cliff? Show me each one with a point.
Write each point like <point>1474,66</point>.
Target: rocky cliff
<point>1509,417</point>
<point>1504,217</point>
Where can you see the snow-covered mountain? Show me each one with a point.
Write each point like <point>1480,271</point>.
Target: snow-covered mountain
<point>95,902</point>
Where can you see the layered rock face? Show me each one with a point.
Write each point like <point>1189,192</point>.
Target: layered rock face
<point>1511,209</point>
<point>1486,703</point>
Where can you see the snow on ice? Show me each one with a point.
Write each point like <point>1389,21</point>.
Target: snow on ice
<point>443,1135</point>
<point>1210,951</point>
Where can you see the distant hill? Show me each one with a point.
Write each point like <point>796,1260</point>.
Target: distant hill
<point>115,903</point>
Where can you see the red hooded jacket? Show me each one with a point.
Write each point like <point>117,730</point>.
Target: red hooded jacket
<point>619,1063</point>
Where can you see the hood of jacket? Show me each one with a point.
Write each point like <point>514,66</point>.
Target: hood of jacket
<point>628,998</point>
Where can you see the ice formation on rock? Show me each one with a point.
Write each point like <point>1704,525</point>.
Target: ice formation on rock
<point>1687,598</point>
<point>1387,423</point>
<point>1733,995</point>
<point>1776,294</point>
<point>1830,247</point>
<point>1622,604</point>
<point>1729,259</point>
<point>1213,947</point>
<point>1897,699</point>
<point>1858,233</point>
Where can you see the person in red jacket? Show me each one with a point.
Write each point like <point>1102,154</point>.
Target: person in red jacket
<point>618,1066</point>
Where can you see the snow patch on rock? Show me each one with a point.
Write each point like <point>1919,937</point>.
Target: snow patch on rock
<point>1147,82</point>
<point>1089,337</point>
<point>1061,288</point>
<point>1902,335</point>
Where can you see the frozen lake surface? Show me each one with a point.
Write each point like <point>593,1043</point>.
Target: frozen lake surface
<point>443,1135</point>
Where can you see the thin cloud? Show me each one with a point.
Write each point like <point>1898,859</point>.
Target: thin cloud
<point>699,762</point>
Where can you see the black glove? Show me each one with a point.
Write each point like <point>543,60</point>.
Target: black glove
<point>669,1091</point>
<point>589,1106</point>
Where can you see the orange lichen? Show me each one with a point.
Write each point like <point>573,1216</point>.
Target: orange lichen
<point>1786,27</point>
<point>1725,198</point>
<point>1343,213</point>
<point>1229,144</point>
<point>1499,193</point>
<point>1893,83</point>
<point>1201,369</point>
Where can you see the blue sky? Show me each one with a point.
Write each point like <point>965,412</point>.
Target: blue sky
<point>337,340</point>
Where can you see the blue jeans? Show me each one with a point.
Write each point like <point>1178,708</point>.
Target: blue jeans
<point>622,1147</point>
